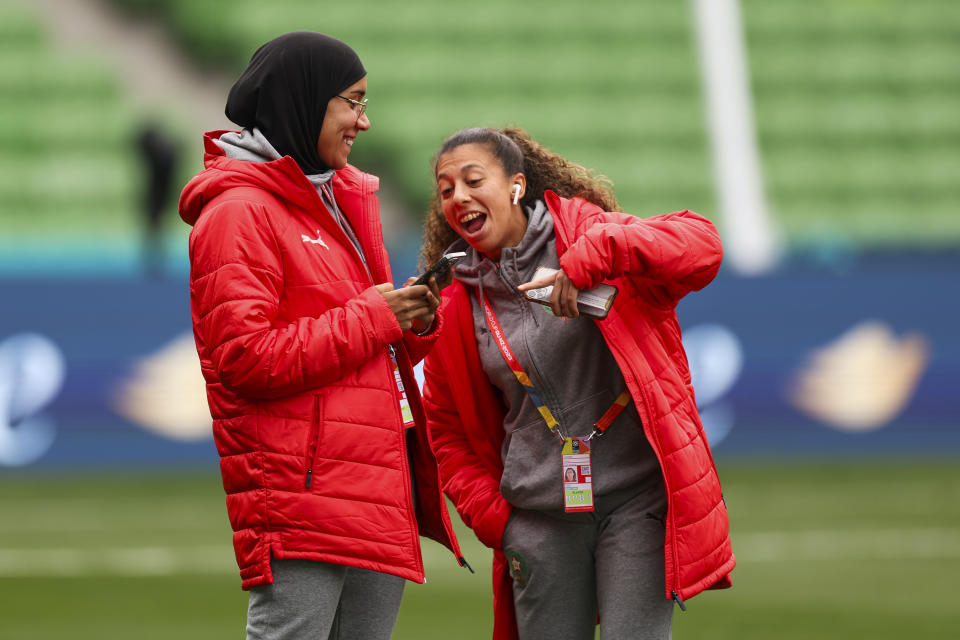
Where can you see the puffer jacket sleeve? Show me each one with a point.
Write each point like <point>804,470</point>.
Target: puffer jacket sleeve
<point>668,255</point>
<point>236,285</point>
<point>470,483</point>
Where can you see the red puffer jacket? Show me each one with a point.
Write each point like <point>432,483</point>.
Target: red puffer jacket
<point>295,343</point>
<point>654,262</point>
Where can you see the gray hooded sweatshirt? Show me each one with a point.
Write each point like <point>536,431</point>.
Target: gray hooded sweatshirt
<point>570,365</point>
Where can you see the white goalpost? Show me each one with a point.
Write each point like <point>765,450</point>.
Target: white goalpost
<point>752,244</point>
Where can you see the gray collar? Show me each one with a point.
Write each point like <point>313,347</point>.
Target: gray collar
<point>250,145</point>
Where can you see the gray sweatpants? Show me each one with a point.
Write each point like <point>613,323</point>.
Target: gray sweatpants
<point>320,601</point>
<point>568,567</point>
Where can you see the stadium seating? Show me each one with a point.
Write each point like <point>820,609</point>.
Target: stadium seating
<point>856,103</point>
<point>66,158</point>
<point>856,106</point>
<point>613,87</point>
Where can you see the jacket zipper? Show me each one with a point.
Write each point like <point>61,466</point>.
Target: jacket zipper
<point>560,226</point>
<point>348,244</point>
<point>668,517</point>
<point>315,441</point>
<point>364,191</point>
<point>445,516</point>
<point>407,470</point>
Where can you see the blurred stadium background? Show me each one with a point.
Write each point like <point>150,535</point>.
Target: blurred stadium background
<point>828,379</point>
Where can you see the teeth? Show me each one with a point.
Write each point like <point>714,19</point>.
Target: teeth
<point>349,142</point>
<point>470,216</point>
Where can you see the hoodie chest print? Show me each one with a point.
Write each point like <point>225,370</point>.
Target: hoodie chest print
<point>318,240</point>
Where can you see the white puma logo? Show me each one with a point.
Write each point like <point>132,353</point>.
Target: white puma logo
<point>318,241</point>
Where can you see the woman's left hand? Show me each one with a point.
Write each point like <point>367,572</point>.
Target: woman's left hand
<point>563,299</point>
<point>424,323</point>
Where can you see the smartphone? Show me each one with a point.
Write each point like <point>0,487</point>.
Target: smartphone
<point>440,267</point>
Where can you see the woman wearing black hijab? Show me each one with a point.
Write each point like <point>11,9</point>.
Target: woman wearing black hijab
<point>307,351</point>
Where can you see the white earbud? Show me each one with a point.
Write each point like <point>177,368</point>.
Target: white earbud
<point>516,193</point>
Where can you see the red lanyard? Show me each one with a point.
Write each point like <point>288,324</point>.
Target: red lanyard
<point>501,339</point>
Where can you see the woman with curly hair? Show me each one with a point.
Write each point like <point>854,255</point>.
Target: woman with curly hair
<point>517,393</point>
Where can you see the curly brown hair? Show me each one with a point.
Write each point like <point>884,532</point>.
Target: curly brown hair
<point>517,152</point>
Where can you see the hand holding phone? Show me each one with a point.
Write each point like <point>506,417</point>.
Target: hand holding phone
<point>594,302</point>
<point>412,308</point>
<point>440,267</point>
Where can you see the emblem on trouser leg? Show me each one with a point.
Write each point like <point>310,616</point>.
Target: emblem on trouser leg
<point>518,567</point>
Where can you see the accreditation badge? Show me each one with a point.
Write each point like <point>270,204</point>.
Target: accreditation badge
<point>577,475</point>
<point>406,413</point>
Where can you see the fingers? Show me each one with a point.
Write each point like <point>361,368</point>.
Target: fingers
<point>538,283</point>
<point>430,294</point>
<point>563,298</point>
<point>424,322</point>
<point>384,287</point>
<point>571,310</point>
<point>570,293</point>
<point>434,297</point>
<point>412,303</point>
<point>407,310</point>
<point>556,300</point>
<point>432,284</point>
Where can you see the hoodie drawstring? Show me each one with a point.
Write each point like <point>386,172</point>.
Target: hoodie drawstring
<point>533,313</point>
<point>480,287</point>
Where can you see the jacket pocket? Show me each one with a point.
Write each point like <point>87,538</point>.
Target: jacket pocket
<point>531,476</point>
<point>313,441</point>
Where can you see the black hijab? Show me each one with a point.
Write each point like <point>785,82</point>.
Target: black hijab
<point>285,89</point>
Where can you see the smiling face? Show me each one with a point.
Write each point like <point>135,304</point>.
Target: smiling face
<point>341,126</point>
<point>477,199</point>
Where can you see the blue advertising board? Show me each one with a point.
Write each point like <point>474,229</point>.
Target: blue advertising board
<point>857,357</point>
<point>819,358</point>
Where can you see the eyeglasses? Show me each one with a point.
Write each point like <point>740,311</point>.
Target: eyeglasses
<point>359,106</point>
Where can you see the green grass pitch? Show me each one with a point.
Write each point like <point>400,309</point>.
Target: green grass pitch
<point>826,550</point>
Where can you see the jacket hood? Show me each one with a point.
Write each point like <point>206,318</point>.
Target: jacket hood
<point>282,178</point>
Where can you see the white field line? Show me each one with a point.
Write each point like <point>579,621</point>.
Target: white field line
<point>877,544</point>
<point>121,561</point>
<point>74,520</point>
<point>757,547</point>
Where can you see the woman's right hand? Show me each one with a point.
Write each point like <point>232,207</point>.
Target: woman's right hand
<point>409,303</point>
<point>563,299</point>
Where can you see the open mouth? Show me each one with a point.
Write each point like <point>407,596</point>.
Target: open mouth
<point>473,221</point>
